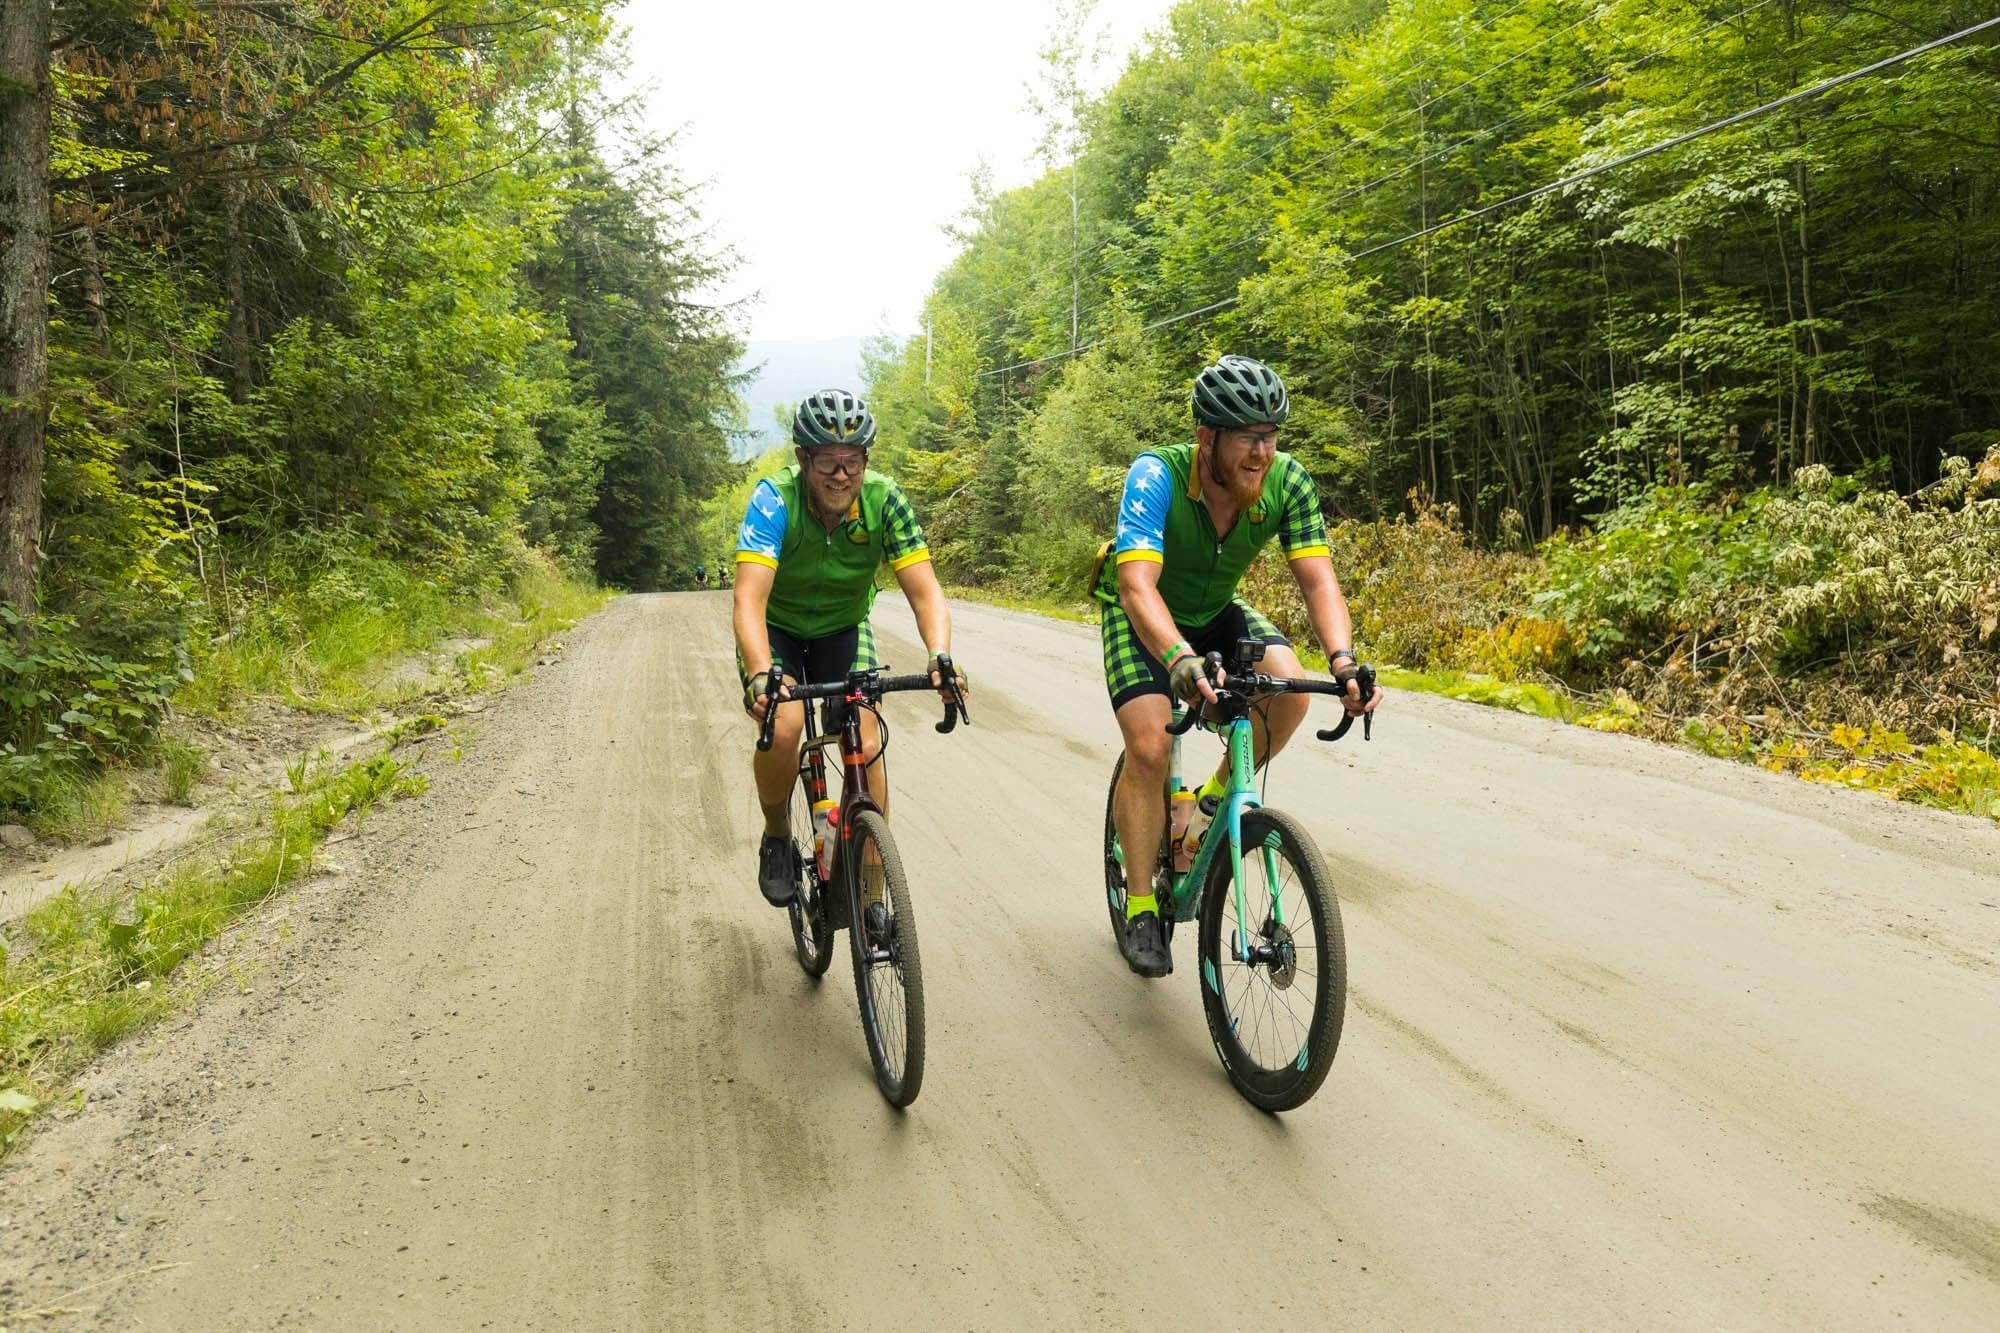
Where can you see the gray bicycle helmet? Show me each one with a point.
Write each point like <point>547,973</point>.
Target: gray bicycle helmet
<point>1237,392</point>
<point>833,416</point>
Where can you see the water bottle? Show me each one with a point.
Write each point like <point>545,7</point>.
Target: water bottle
<point>1183,812</point>
<point>823,837</point>
<point>1204,815</point>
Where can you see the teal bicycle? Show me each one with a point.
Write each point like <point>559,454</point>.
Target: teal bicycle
<point>1273,961</point>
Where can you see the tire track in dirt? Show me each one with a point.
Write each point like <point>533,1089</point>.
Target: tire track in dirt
<point>1636,1039</point>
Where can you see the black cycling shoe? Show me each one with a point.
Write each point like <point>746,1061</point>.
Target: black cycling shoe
<point>1145,946</point>
<point>777,870</point>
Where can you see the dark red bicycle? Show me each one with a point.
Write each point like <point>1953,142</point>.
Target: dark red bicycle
<point>849,870</point>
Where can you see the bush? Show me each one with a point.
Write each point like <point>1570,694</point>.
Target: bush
<point>1823,601</point>
<point>66,711</point>
<point>1419,588</point>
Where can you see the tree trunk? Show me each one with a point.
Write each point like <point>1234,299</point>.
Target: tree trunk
<point>240,368</point>
<point>25,226</point>
<point>93,274</point>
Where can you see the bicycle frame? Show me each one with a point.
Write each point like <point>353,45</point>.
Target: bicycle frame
<point>1185,891</point>
<point>854,794</point>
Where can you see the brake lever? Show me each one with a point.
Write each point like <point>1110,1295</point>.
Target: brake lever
<point>1364,677</point>
<point>954,707</point>
<point>773,683</point>
<point>1211,666</point>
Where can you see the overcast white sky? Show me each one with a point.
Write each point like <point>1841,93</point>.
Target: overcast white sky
<point>838,136</point>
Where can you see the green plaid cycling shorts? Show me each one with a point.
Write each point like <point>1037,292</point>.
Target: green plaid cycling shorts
<point>822,659</point>
<point>1130,671</point>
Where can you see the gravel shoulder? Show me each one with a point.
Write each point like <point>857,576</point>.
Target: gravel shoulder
<point>1635,1038</point>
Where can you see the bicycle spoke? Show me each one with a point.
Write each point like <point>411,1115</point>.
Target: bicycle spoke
<point>1274,1011</point>
<point>1270,1027</point>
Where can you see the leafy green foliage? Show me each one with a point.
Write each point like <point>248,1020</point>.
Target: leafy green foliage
<point>357,328</point>
<point>1810,288</point>
<point>68,710</point>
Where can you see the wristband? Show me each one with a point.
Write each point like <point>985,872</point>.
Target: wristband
<point>1347,653</point>
<point>1175,653</point>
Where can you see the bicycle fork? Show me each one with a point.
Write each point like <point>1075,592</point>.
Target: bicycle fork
<point>1242,796</point>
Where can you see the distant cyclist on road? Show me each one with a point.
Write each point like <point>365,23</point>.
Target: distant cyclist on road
<point>1192,518</point>
<point>701,576</point>
<point>812,539</point>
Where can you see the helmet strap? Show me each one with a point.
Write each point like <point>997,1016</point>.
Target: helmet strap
<point>1208,454</point>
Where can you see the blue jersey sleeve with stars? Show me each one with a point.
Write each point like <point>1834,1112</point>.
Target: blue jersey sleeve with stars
<point>762,535</point>
<point>1142,510</point>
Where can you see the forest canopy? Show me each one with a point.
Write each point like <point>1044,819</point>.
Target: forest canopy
<point>343,298</point>
<point>1306,181</point>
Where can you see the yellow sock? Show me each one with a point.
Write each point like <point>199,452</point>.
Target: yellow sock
<point>1138,904</point>
<point>1215,786</point>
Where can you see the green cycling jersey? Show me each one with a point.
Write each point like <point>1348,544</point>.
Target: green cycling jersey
<point>825,577</point>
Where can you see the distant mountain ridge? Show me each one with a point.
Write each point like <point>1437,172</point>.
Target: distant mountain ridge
<point>791,369</point>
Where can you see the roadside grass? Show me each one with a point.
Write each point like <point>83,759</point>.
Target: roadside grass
<point>1473,687</point>
<point>358,654</point>
<point>1957,775</point>
<point>1055,608</point>
<point>543,602</point>
<point>82,971</point>
<point>352,658</point>
<point>181,765</point>
<point>75,805</point>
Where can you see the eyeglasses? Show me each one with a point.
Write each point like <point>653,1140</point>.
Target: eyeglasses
<point>839,467</point>
<point>1259,439</point>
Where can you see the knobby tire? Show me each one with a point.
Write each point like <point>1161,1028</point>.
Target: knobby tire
<point>812,927</point>
<point>891,994</point>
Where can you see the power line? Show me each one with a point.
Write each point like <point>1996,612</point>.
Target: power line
<point>1368,187</point>
<point>1364,139</point>
<point>1576,178</point>
<point>1095,269</point>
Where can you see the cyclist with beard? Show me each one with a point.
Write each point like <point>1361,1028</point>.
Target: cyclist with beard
<point>811,541</point>
<point>1192,518</point>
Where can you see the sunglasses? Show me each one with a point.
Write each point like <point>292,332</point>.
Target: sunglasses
<point>838,467</point>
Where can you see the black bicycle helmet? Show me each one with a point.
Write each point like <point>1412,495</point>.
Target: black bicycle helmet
<point>1237,392</point>
<point>833,416</point>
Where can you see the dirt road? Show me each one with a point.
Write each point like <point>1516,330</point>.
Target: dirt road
<point>1635,1039</point>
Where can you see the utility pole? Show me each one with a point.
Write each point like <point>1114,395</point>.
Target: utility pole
<point>1075,279</point>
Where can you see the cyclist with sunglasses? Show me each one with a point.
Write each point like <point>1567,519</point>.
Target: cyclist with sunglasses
<point>812,539</point>
<point>1191,519</point>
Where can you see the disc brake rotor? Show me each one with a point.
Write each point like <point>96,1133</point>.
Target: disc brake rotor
<point>1277,938</point>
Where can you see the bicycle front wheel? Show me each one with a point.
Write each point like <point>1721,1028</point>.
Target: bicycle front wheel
<point>812,927</point>
<point>888,972</point>
<point>1274,975</point>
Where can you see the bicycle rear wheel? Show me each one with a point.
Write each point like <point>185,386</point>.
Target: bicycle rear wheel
<point>1275,1017</point>
<point>812,926</point>
<point>1114,873</point>
<point>888,972</point>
